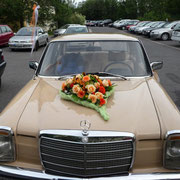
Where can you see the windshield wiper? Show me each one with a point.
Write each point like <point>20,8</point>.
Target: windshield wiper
<point>109,74</point>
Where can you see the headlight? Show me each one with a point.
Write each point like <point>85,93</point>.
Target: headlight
<point>172,150</point>
<point>7,147</point>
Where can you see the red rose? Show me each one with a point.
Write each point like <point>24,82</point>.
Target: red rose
<point>81,94</point>
<point>102,90</point>
<point>71,86</point>
<point>102,102</point>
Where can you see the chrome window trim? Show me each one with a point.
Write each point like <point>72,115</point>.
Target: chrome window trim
<point>78,133</point>
<point>102,77</point>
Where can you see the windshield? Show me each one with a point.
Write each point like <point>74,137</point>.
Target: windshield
<point>72,30</point>
<point>170,25</point>
<point>25,32</point>
<point>177,27</point>
<point>117,57</point>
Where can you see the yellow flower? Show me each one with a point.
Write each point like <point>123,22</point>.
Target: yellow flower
<point>91,88</point>
<point>93,98</point>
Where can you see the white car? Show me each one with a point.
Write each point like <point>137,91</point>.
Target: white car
<point>27,36</point>
<point>164,33</point>
<point>176,33</point>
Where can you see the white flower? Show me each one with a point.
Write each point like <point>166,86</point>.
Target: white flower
<point>105,83</point>
<point>76,88</point>
<point>91,88</point>
<point>69,81</point>
<point>99,95</point>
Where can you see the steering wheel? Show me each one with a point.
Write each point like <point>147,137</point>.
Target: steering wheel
<point>119,66</point>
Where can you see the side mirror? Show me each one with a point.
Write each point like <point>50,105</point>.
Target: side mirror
<point>33,64</point>
<point>156,65</point>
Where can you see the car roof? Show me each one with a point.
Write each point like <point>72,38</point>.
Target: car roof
<point>94,36</point>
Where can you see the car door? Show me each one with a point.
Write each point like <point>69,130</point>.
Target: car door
<point>1,39</point>
<point>3,35</point>
<point>9,34</point>
<point>44,36</point>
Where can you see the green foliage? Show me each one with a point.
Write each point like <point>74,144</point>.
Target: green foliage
<point>77,18</point>
<point>60,12</point>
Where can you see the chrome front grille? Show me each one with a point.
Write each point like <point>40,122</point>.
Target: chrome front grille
<point>66,153</point>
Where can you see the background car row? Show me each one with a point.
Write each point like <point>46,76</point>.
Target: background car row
<point>162,30</point>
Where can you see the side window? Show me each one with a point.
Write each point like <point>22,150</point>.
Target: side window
<point>3,28</point>
<point>8,29</point>
<point>0,31</point>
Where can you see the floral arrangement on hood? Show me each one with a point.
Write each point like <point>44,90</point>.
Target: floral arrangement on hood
<point>88,90</point>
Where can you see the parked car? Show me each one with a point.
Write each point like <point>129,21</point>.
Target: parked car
<point>165,32</point>
<point>126,23</point>
<point>44,136</point>
<point>139,30</point>
<point>23,39</point>
<point>2,64</point>
<point>121,22</point>
<point>131,25</point>
<point>76,29</point>
<point>5,34</point>
<point>132,29</point>
<point>61,31</point>
<point>176,33</point>
<point>105,22</point>
<point>157,25</point>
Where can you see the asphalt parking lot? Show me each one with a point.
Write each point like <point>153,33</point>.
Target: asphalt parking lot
<point>18,73</point>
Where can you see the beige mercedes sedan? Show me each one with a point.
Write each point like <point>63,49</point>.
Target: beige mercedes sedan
<point>44,135</point>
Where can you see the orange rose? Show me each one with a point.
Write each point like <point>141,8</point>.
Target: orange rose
<point>93,98</point>
<point>63,86</point>
<point>110,84</point>
<point>86,78</point>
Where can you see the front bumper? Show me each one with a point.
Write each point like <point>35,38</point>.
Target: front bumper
<point>17,172</point>
<point>20,45</point>
<point>155,36</point>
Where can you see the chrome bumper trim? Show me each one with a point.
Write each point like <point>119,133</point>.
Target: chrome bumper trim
<point>11,171</point>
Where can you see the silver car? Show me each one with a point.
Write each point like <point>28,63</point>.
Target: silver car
<point>62,29</point>
<point>76,29</point>
<point>176,33</point>
<point>165,32</point>
<point>27,36</point>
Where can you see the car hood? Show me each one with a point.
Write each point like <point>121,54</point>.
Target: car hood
<point>21,38</point>
<point>130,108</point>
